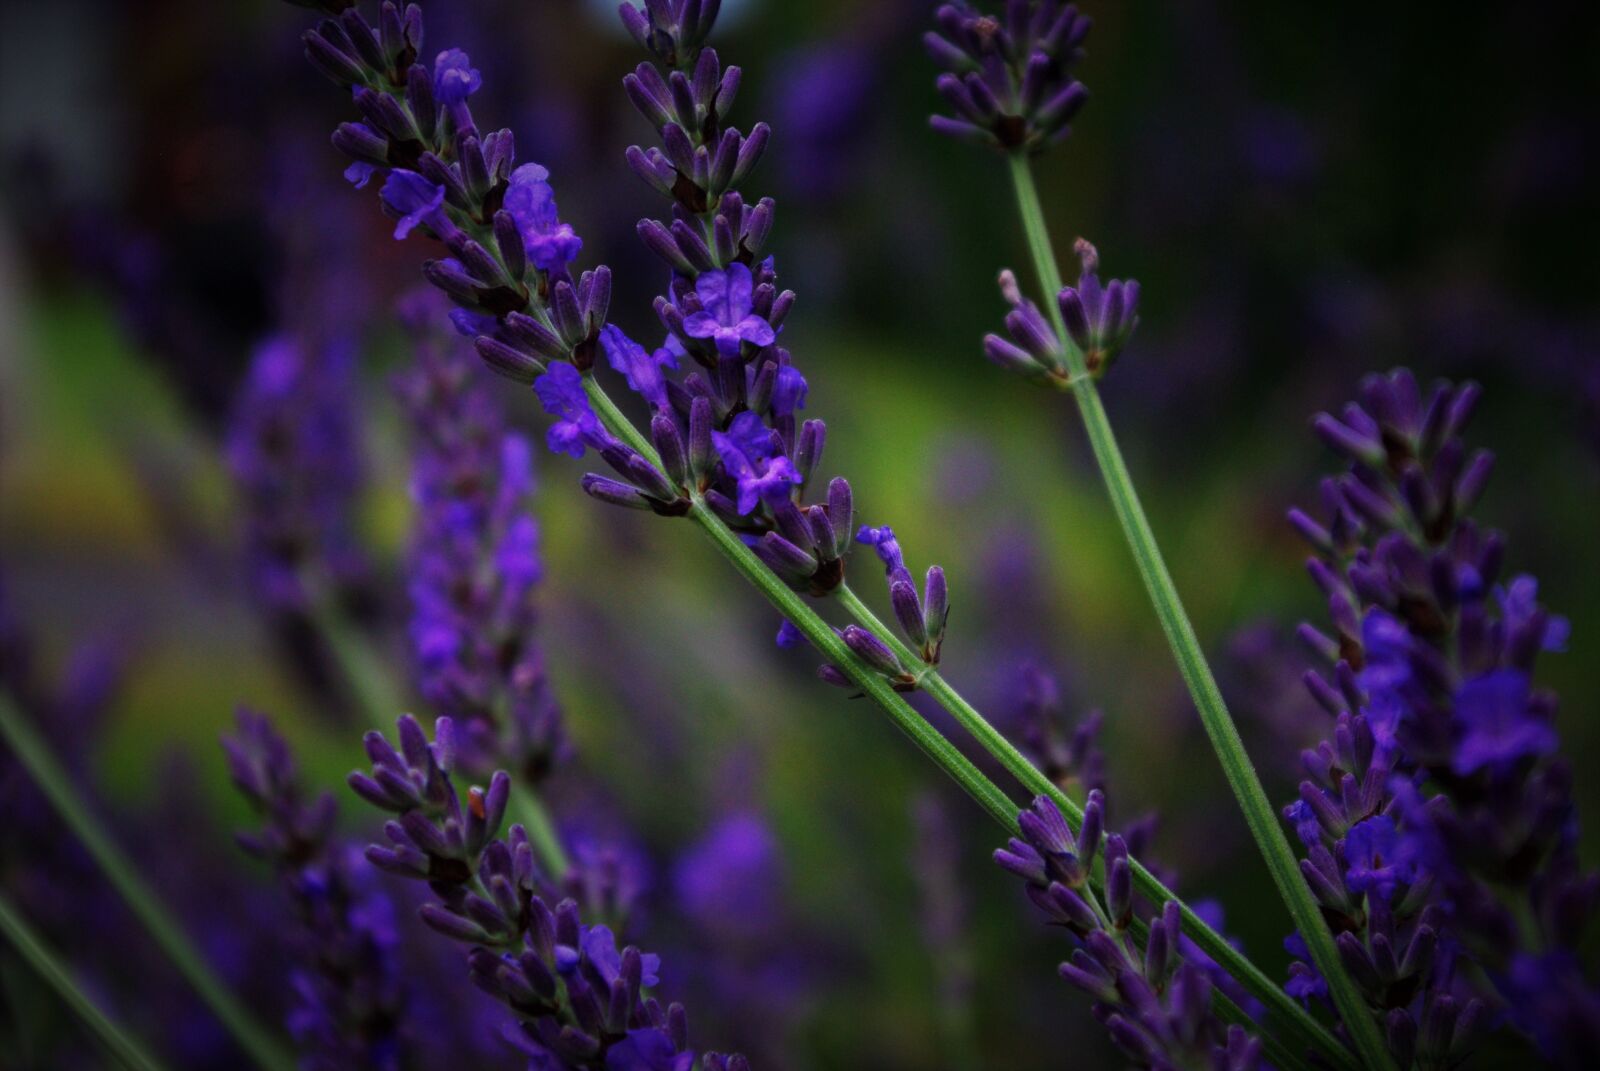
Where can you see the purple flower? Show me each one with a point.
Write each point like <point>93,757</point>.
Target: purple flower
<point>1498,726</point>
<point>1519,604</point>
<point>754,458</point>
<point>1374,860</point>
<point>551,244</point>
<point>647,1050</point>
<point>560,391</point>
<point>414,202</point>
<point>454,77</point>
<point>883,541</point>
<point>1099,319</point>
<point>789,391</point>
<point>727,316</point>
<point>641,367</point>
<point>788,635</point>
<point>731,881</point>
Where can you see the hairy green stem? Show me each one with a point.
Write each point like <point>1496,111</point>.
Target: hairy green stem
<point>1252,977</point>
<point>1258,811</point>
<point>31,947</point>
<point>948,757</point>
<point>381,700</point>
<point>57,786</point>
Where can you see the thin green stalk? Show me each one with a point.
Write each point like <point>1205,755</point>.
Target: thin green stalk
<point>55,973</point>
<point>530,810</point>
<point>1253,978</point>
<point>1258,811</point>
<point>57,786</point>
<point>934,744</point>
<point>369,679</point>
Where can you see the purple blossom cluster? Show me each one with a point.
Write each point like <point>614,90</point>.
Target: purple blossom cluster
<point>475,564</point>
<point>350,1003</point>
<point>1009,79</point>
<point>580,1001</point>
<point>1099,320</point>
<point>294,453</point>
<point>726,430</point>
<point>1155,1003</point>
<point>1438,820</point>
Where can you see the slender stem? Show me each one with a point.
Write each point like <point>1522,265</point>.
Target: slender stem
<point>381,701</point>
<point>933,743</point>
<point>55,973</point>
<point>1253,978</point>
<point>1258,811</point>
<point>535,818</point>
<point>57,786</point>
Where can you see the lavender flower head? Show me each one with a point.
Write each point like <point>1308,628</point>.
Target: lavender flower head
<point>1099,321</point>
<point>579,1000</point>
<point>1009,77</point>
<point>1438,815</point>
<point>475,563</point>
<point>1155,1003</point>
<point>349,998</point>
<point>294,454</point>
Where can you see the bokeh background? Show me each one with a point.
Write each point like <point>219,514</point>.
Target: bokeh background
<point>1306,195</point>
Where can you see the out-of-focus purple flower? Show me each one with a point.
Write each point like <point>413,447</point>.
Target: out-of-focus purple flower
<point>1499,726</point>
<point>350,999</point>
<point>730,882</point>
<point>293,450</point>
<point>475,562</point>
<point>1373,858</point>
<point>727,316</point>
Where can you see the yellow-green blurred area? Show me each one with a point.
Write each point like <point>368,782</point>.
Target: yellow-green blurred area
<point>1304,197</point>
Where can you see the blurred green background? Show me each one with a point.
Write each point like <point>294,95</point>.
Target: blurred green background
<point>1305,193</point>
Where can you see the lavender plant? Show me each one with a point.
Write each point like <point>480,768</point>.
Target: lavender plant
<point>350,1000</point>
<point>1438,820</point>
<point>725,448</point>
<point>1012,85</point>
<point>579,1000</point>
<point>475,564</point>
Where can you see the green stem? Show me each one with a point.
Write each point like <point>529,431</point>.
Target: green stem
<point>948,757</point>
<point>55,973</point>
<point>535,818</point>
<point>1258,811</point>
<point>57,786</point>
<point>1253,978</point>
<point>364,671</point>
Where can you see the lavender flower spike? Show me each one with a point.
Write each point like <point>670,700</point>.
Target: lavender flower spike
<point>1099,320</point>
<point>475,563</point>
<point>1010,79</point>
<point>1156,1005</point>
<point>350,1000</point>
<point>580,1001</point>
<point>922,620</point>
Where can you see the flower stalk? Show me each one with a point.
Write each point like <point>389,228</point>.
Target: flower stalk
<point>1258,811</point>
<point>31,947</point>
<point>949,758</point>
<point>57,786</point>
